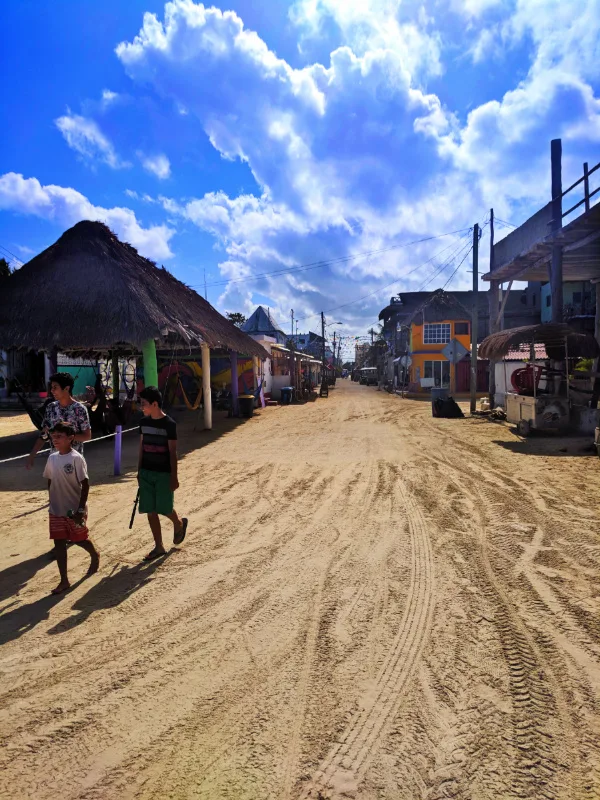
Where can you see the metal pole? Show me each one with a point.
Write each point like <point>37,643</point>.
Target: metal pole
<point>474,318</point>
<point>586,187</point>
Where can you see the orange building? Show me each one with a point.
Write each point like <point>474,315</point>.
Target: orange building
<point>430,366</point>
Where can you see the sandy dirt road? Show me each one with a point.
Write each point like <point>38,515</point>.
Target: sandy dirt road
<point>370,604</point>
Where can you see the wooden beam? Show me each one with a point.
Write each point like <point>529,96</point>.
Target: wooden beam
<point>499,320</point>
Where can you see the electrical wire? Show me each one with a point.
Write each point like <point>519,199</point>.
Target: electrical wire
<point>459,266</point>
<point>381,288</point>
<point>329,262</point>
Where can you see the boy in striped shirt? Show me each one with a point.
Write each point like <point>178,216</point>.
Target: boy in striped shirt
<point>157,470</point>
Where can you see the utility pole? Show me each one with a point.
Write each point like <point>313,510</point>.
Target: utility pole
<point>324,390</point>
<point>334,349</point>
<point>494,305</point>
<point>205,289</point>
<point>292,358</point>
<point>556,266</point>
<point>474,318</point>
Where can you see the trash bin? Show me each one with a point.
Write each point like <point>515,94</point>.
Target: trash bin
<point>437,394</point>
<point>246,405</point>
<point>286,395</point>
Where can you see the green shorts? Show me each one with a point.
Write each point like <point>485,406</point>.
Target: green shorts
<point>155,492</point>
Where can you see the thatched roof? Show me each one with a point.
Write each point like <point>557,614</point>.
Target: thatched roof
<point>89,291</point>
<point>552,335</point>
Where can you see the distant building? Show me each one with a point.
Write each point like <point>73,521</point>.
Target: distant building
<point>361,351</point>
<point>428,335</point>
<point>310,343</point>
<point>262,323</point>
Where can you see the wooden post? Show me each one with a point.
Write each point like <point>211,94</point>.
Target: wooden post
<point>475,318</point>
<point>234,384</point>
<point>206,390</point>
<point>255,372</point>
<point>118,443</point>
<point>150,363</point>
<point>596,386</point>
<point>556,268</point>
<point>115,377</point>
<point>494,305</point>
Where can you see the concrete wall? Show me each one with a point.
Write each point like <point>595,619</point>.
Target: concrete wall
<point>583,306</point>
<point>525,236</point>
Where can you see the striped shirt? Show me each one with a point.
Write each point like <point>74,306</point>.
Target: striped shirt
<point>156,434</point>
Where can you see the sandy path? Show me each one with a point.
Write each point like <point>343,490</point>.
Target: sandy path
<point>371,603</point>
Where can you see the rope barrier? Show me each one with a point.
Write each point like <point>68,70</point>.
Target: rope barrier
<point>91,441</point>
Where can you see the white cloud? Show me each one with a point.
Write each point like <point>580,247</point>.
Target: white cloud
<point>109,98</point>
<point>355,155</point>
<point>371,25</point>
<point>158,165</point>
<point>66,206</point>
<point>85,137</point>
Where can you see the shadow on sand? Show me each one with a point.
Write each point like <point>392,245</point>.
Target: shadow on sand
<point>110,592</point>
<point>550,447</point>
<point>18,621</point>
<point>13,579</point>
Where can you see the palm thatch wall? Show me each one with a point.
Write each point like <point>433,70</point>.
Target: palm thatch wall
<point>91,292</point>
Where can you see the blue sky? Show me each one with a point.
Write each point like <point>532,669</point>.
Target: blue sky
<point>251,137</point>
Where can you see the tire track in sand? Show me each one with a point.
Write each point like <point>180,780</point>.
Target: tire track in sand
<point>344,766</point>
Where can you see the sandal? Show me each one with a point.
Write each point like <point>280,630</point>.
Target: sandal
<point>153,554</point>
<point>180,535</point>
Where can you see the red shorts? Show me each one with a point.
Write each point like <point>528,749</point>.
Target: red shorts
<point>64,528</point>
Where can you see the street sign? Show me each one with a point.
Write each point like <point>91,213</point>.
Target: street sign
<point>454,351</point>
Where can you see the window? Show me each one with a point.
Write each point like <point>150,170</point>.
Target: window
<point>437,373</point>
<point>461,328</point>
<point>548,301</point>
<point>576,297</point>
<point>436,333</point>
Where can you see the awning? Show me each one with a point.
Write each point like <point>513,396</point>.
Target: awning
<point>553,336</point>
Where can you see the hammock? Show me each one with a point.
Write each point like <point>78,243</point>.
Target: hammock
<point>191,407</point>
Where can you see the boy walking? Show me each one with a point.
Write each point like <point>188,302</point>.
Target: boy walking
<point>157,470</point>
<point>68,487</point>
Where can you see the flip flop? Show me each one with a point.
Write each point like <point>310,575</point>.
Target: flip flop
<point>153,554</point>
<point>180,536</point>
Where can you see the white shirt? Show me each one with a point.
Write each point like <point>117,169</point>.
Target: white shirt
<point>66,473</point>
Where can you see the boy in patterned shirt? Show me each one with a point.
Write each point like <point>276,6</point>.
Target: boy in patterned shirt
<point>68,487</point>
<point>64,409</point>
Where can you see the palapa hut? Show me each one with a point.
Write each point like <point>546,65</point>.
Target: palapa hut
<point>91,294</point>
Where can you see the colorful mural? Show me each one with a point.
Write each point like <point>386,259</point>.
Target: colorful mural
<point>180,379</point>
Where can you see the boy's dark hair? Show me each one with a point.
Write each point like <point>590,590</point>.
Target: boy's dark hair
<point>151,394</point>
<point>64,427</point>
<point>64,379</point>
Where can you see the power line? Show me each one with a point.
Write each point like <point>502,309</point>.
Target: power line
<point>329,262</point>
<point>381,288</point>
<point>12,256</point>
<point>469,251</point>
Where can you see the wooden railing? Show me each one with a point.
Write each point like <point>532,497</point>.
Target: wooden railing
<point>587,195</point>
